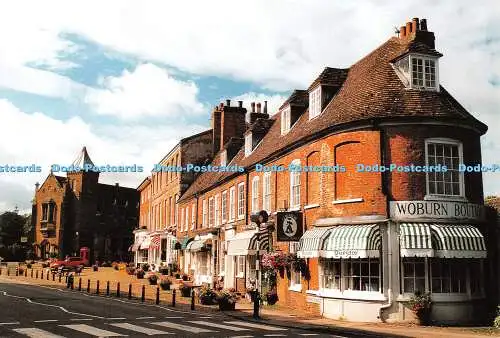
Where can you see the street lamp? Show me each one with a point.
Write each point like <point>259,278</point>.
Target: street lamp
<point>258,218</point>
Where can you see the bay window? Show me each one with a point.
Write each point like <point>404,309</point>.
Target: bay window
<point>444,152</point>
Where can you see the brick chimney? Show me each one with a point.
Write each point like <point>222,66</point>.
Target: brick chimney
<point>417,30</point>
<point>227,122</point>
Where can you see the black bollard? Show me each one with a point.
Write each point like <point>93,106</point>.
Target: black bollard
<point>88,285</point>
<point>36,276</point>
<point>41,277</point>
<point>26,273</point>
<point>107,288</point>
<point>79,284</point>
<point>17,271</point>
<point>48,275</point>
<point>143,294</point>
<point>60,276</point>
<point>53,276</point>
<point>118,289</point>
<point>97,288</point>
<point>130,291</point>
<point>157,295</point>
<point>31,273</point>
<point>256,304</point>
<point>173,297</point>
<point>192,299</point>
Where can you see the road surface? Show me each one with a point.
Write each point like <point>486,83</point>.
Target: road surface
<point>34,311</point>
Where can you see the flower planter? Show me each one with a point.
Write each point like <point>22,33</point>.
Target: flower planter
<point>186,292</point>
<point>206,300</point>
<point>223,306</point>
<point>165,286</point>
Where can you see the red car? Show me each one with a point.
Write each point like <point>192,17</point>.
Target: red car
<point>70,263</point>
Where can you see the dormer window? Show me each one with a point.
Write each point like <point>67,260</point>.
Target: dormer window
<point>285,120</point>
<point>418,72</point>
<point>223,158</point>
<point>315,102</point>
<point>248,144</point>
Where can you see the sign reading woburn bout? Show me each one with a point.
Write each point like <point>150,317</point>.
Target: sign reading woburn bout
<point>289,226</point>
<point>410,210</point>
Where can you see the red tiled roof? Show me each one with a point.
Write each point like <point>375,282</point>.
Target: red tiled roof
<point>61,180</point>
<point>371,91</point>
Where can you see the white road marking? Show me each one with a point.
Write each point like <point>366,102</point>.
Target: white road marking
<point>146,317</point>
<point>313,334</point>
<point>140,329</point>
<point>219,326</point>
<point>117,318</point>
<point>182,327</point>
<point>81,319</point>
<point>256,326</point>
<point>274,335</point>
<point>36,333</point>
<point>96,332</point>
<point>11,323</point>
<point>173,317</point>
<point>45,321</point>
<point>242,337</point>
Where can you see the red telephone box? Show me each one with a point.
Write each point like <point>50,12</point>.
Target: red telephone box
<point>84,254</point>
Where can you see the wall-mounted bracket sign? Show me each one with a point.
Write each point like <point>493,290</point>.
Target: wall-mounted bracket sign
<point>437,210</point>
<point>289,226</point>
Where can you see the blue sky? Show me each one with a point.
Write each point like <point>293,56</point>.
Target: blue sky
<point>128,80</point>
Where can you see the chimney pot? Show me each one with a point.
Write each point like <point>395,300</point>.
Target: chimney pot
<point>265,107</point>
<point>423,24</point>
<point>253,107</point>
<point>415,25</point>
<point>402,32</point>
<point>258,107</point>
<point>117,185</point>
<point>228,103</point>
<point>408,28</point>
<point>221,105</point>
<point>240,104</point>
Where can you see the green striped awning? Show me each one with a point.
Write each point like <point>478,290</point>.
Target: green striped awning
<point>415,240</point>
<point>311,242</point>
<point>457,241</point>
<point>353,241</point>
<point>185,241</point>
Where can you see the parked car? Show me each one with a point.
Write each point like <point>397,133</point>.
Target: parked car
<point>70,263</point>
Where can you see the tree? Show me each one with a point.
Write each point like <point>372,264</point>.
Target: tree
<point>12,228</point>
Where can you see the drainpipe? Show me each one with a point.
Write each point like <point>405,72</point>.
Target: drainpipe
<point>389,289</point>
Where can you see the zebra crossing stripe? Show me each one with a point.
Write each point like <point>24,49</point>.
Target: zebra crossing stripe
<point>219,326</point>
<point>256,326</point>
<point>182,327</point>
<point>36,333</point>
<point>96,332</point>
<point>140,329</point>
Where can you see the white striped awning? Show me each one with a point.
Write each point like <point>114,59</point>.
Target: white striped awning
<point>353,241</point>
<point>311,242</point>
<point>457,241</point>
<point>415,240</point>
<point>145,243</point>
<point>239,245</point>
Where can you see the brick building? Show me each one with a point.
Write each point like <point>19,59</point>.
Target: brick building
<point>370,238</point>
<point>159,215</point>
<point>77,211</point>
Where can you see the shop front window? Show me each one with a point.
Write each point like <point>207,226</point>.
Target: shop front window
<point>448,276</point>
<point>362,274</point>
<point>413,273</point>
<point>331,274</point>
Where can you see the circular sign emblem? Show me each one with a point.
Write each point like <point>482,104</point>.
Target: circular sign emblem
<point>289,226</point>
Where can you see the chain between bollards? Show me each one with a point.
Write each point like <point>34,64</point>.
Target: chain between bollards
<point>173,297</point>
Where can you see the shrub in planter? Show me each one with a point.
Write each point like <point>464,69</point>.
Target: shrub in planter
<point>420,304</point>
<point>95,267</point>
<point>163,270</point>
<point>177,276</point>
<point>153,279</point>
<point>185,277</point>
<point>185,289</point>
<point>145,267</point>
<point>272,297</point>
<point>130,270</point>
<point>165,283</point>
<point>207,295</point>
<point>139,273</point>
<point>227,300</point>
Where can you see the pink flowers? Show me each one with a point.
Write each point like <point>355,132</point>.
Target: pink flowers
<point>274,261</point>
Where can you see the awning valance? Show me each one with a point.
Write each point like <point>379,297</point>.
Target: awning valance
<point>353,241</point>
<point>199,245</point>
<point>146,243</point>
<point>137,245</point>
<point>312,241</point>
<point>457,241</point>
<point>239,245</point>
<point>415,240</point>
<point>184,242</point>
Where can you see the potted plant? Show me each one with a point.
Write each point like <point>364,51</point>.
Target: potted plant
<point>139,273</point>
<point>420,304</point>
<point>130,270</point>
<point>185,277</point>
<point>165,283</point>
<point>207,295</point>
<point>185,289</point>
<point>177,276</point>
<point>152,279</point>
<point>272,297</point>
<point>95,267</point>
<point>227,300</point>
<point>145,267</point>
<point>163,270</point>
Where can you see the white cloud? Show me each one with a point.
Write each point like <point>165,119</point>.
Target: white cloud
<point>45,141</point>
<point>273,101</point>
<point>147,91</point>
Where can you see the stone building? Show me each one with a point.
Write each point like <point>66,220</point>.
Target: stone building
<point>77,211</point>
<point>370,236</point>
